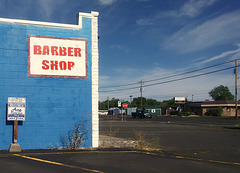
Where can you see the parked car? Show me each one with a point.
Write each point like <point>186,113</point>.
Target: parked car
<point>141,114</point>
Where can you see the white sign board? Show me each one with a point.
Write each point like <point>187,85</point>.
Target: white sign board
<point>57,57</point>
<point>119,104</point>
<point>179,100</point>
<point>16,109</point>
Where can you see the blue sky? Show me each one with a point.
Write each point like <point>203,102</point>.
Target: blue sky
<point>151,39</point>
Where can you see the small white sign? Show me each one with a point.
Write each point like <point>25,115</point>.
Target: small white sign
<point>57,57</point>
<point>119,104</point>
<point>16,109</point>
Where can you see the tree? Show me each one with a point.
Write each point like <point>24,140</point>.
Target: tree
<point>137,102</point>
<point>168,103</point>
<point>221,93</point>
<point>111,103</point>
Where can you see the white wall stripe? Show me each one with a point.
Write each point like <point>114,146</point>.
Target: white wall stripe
<point>95,74</point>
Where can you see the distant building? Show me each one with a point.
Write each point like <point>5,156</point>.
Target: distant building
<point>114,111</point>
<point>153,109</point>
<point>200,108</point>
<point>130,110</point>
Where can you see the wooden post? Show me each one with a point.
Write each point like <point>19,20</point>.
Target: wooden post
<point>15,131</point>
<point>15,147</point>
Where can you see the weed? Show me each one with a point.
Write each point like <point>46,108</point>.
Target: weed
<point>146,144</point>
<point>142,142</point>
<point>77,136</point>
<point>155,142</point>
<point>112,131</point>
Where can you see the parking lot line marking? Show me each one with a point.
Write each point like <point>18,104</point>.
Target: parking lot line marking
<point>150,153</point>
<point>223,162</point>
<point>57,163</point>
<point>212,161</point>
<point>179,157</point>
<point>82,152</point>
<point>141,152</point>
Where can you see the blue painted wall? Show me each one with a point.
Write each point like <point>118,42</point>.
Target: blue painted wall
<point>53,105</point>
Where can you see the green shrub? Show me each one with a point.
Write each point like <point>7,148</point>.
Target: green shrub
<point>215,112</point>
<point>180,113</point>
<point>185,113</point>
<point>174,113</point>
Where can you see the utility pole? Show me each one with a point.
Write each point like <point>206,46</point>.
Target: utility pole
<point>236,102</point>
<point>141,90</point>
<point>130,100</point>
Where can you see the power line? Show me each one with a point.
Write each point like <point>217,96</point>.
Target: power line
<point>128,93</point>
<point>166,77</point>
<point>173,80</point>
<point>114,86</point>
<point>184,73</point>
<point>193,76</point>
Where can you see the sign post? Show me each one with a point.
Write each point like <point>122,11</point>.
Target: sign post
<point>15,131</point>
<point>16,112</point>
<point>125,105</point>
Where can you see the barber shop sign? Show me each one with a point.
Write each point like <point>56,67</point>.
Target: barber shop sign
<point>57,57</point>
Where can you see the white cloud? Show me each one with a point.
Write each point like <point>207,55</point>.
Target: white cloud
<point>218,31</point>
<point>46,7</point>
<point>235,56</point>
<point>107,2</point>
<point>193,8</point>
<point>145,22</point>
<point>143,0</point>
<point>222,55</point>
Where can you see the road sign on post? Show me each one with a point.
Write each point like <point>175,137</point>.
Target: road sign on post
<point>16,112</point>
<point>119,104</point>
<point>16,109</point>
<point>125,105</point>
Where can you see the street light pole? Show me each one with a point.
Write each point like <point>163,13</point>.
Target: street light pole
<point>236,102</point>
<point>141,89</point>
<point>130,100</point>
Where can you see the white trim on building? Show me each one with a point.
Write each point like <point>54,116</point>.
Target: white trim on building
<point>53,25</point>
<point>95,71</point>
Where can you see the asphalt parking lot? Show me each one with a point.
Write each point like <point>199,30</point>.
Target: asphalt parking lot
<point>212,138</point>
<point>186,145</point>
<point>115,161</point>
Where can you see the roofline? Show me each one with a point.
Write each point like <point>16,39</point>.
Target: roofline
<point>214,103</point>
<point>210,105</point>
<point>53,25</point>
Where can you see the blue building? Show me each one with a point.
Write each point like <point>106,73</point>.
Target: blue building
<point>55,68</point>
